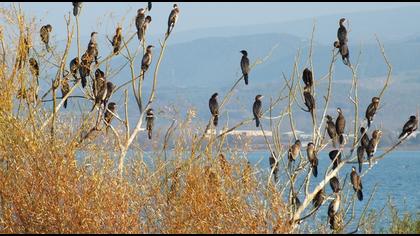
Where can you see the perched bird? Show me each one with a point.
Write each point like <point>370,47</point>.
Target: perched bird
<point>110,87</point>
<point>257,109</point>
<point>149,6</point>
<point>332,132</point>
<point>84,69</point>
<point>342,32</point>
<point>149,122</point>
<point>245,65</point>
<point>312,157</point>
<point>373,145</point>
<point>371,110</point>
<point>333,210</point>
<point>77,6</point>
<point>309,102</point>
<point>335,184</point>
<point>116,40</point>
<point>108,115</point>
<point>364,137</point>
<point>319,198</point>
<point>274,166</point>
<point>335,156</point>
<point>34,67</point>
<point>214,108</point>
<point>139,22</point>
<point>45,35</point>
<point>99,88</point>
<point>144,27</point>
<point>93,47</point>
<point>409,127</point>
<point>356,181</point>
<point>340,125</point>
<point>345,54</point>
<point>74,66</point>
<point>65,89</point>
<point>293,153</point>
<point>147,60</point>
<point>173,17</point>
<point>307,78</point>
<point>361,156</point>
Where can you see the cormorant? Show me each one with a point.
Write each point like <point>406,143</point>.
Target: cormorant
<point>116,40</point>
<point>409,127</point>
<point>293,153</point>
<point>307,78</point>
<point>371,110</point>
<point>309,102</point>
<point>312,157</point>
<point>84,69</point>
<point>65,89</point>
<point>345,54</point>
<point>273,164</point>
<point>110,87</point>
<point>214,108</point>
<point>77,6</point>
<point>340,125</point>
<point>144,27</point>
<point>245,65</point>
<point>45,35</point>
<point>93,47</point>
<point>319,198</point>
<point>149,6</point>
<point>34,67</point>
<point>364,136</point>
<point>108,115</point>
<point>360,156</point>
<point>257,109</point>
<point>149,122</point>
<point>335,184</point>
<point>373,145</point>
<point>331,130</point>
<point>333,154</point>
<point>139,22</point>
<point>333,210</point>
<point>356,181</point>
<point>342,32</point>
<point>147,60</point>
<point>172,19</point>
<point>99,88</point>
<point>74,66</point>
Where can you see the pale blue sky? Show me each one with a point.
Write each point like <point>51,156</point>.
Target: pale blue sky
<point>193,15</point>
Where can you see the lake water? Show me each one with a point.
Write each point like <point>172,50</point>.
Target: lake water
<point>397,176</point>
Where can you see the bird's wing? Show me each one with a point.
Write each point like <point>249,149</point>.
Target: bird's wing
<point>146,59</point>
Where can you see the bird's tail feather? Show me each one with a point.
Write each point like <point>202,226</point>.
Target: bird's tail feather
<point>360,167</point>
<point>215,120</point>
<point>246,79</point>
<point>84,82</point>
<point>360,195</point>
<point>257,122</point>
<point>341,139</point>
<point>315,171</point>
<point>149,134</point>
<point>65,103</point>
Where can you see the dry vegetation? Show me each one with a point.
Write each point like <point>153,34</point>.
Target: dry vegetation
<point>56,179</point>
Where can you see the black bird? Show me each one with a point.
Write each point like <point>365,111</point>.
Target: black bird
<point>110,87</point>
<point>371,110</point>
<point>257,109</point>
<point>373,145</point>
<point>361,156</point>
<point>116,40</point>
<point>245,65</point>
<point>34,67</point>
<point>309,102</point>
<point>65,89</point>
<point>318,199</point>
<point>335,156</point>
<point>356,181</point>
<point>333,210</point>
<point>172,19</point>
<point>99,88</point>
<point>108,115</point>
<point>77,6</point>
<point>342,32</point>
<point>84,69</point>
<point>214,108</point>
<point>345,54</point>
<point>409,127</point>
<point>74,66</point>
<point>144,28</point>
<point>335,184</point>
<point>332,132</point>
<point>149,122</point>
<point>293,152</point>
<point>45,35</point>
<point>149,6</point>
<point>93,47</point>
<point>139,22</point>
<point>364,137</point>
<point>147,60</point>
<point>340,125</point>
<point>312,157</point>
<point>307,78</point>
<point>274,166</point>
